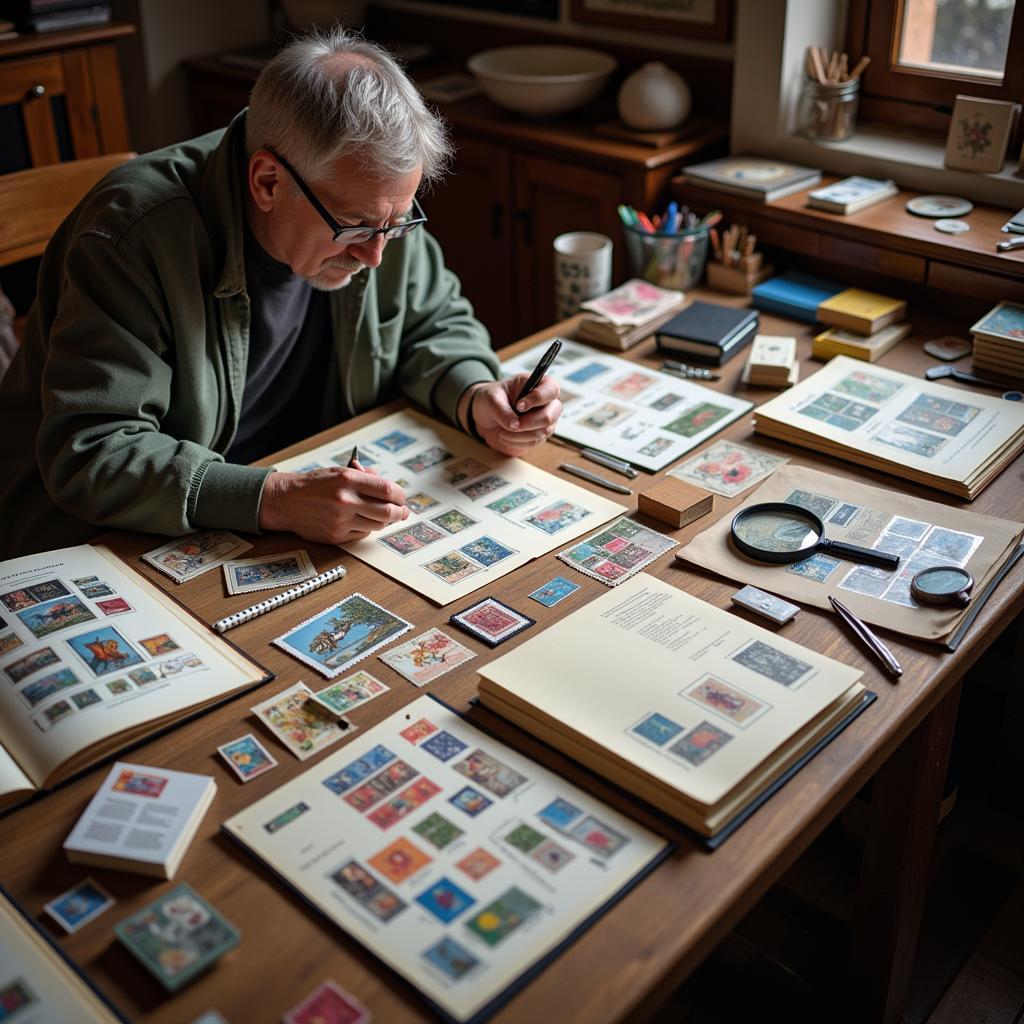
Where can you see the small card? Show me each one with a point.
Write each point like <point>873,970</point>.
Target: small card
<point>78,906</point>
<point>554,591</point>
<point>300,723</point>
<point>343,634</point>
<point>350,692</point>
<point>188,557</point>
<point>728,468</point>
<point>247,757</point>
<point>427,656</point>
<point>177,936</point>
<point>251,574</point>
<point>768,605</point>
<point>491,621</point>
<point>329,1003</point>
<point>618,551</point>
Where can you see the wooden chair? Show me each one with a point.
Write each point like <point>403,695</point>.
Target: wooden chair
<point>34,202</point>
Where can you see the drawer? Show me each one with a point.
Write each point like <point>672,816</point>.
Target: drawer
<point>783,236</point>
<point>870,257</point>
<point>19,77</point>
<point>978,284</point>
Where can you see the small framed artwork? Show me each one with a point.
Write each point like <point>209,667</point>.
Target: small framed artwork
<point>694,19</point>
<point>491,621</point>
<point>979,133</point>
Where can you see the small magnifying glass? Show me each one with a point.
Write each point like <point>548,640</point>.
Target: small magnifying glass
<point>779,532</point>
<point>942,584</point>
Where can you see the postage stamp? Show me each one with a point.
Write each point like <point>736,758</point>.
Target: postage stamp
<point>698,419</point>
<point>438,830</point>
<point>631,385</point>
<point>444,746</point>
<point>451,959</point>
<point>452,567</point>
<point>557,516</point>
<point>454,520</point>
<point>342,634</point>
<point>247,575</point>
<point>353,879</point>
<point>114,606</point>
<point>386,782</point>
<point>486,485</point>
<point>500,918</point>
<point>160,644</point>
<point>408,539</point>
<point>78,906</point>
<point>817,568</point>
<point>604,416</point>
<point>53,616</point>
<point>9,642</point>
<point>85,699</point>
<point>554,591</point>
<point>105,650</point>
<point>445,900</point>
<point>491,621</point>
<point>350,692</point>
<point>421,502</point>
<point>560,814</point>
<point>399,860</point>
<point>418,731</point>
<point>40,689</point>
<point>618,551</point>
<point>459,472</point>
<point>189,557</point>
<point>404,803</point>
<point>328,1003</point>
<point>552,855</point>
<point>394,442</point>
<point>487,551</point>
<point>727,700</point>
<point>728,468</point>
<point>657,728</point>
<point>772,663</point>
<point>478,863</point>
<point>426,459</point>
<point>513,500</point>
<point>247,757</point>
<point>700,743</point>
<point>597,837</point>
<point>490,773</point>
<point>358,770</point>
<point>286,817</point>
<point>300,723</point>
<point>470,800</point>
<point>18,671</point>
<point>427,656</point>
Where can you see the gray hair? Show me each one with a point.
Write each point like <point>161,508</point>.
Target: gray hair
<point>330,94</point>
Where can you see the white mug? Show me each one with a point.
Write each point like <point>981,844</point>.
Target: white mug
<point>583,270</point>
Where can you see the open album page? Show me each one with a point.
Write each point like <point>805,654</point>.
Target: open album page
<point>629,410</point>
<point>710,697</point>
<point>475,515</point>
<point>90,650</point>
<point>455,860</point>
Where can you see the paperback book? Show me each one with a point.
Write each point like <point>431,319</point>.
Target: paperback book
<point>755,177</point>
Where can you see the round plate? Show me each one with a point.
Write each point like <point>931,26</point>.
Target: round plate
<point>952,227</point>
<point>939,206</point>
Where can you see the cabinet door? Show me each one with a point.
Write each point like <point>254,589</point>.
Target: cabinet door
<point>469,216</point>
<point>551,198</point>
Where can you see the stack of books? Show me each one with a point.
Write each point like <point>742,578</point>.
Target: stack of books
<point>851,194</point>
<point>861,311</point>
<point>794,295</point>
<point>753,177</point>
<point>999,342</point>
<point>772,363</point>
<point>628,314</point>
<point>837,341</point>
<point>708,333</point>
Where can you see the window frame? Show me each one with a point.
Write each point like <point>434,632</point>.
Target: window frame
<point>916,98</point>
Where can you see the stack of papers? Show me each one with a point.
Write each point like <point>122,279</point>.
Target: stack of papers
<point>999,342</point>
<point>772,362</point>
<point>628,314</point>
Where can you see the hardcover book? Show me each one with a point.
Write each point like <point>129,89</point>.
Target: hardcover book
<point>858,310</point>
<point>851,194</point>
<point>755,177</point>
<point>93,656</point>
<point>708,332</point>
<point>794,295</point>
<point>839,342</point>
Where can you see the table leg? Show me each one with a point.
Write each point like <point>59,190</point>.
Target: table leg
<point>905,799</point>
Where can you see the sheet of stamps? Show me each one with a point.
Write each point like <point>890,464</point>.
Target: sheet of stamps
<point>247,757</point>
<point>427,657</point>
<point>78,906</point>
<point>247,575</point>
<point>617,552</point>
<point>447,854</point>
<point>554,591</point>
<point>491,621</point>
<point>636,413</point>
<point>348,693</point>
<point>300,723</point>
<point>339,636</point>
<point>328,1003</point>
<point>188,557</point>
<point>177,936</point>
<point>728,468</point>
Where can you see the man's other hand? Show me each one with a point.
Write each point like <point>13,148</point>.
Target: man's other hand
<point>514,431</point>
<point>331,506</point>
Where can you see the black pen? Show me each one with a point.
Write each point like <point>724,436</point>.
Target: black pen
<point>353,459</point>
<point>541,368</point>
<point>873,644</point>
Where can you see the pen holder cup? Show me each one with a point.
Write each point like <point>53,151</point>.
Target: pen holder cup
<point>669,261</point>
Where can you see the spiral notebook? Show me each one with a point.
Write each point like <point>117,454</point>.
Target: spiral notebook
<point>292,594</point>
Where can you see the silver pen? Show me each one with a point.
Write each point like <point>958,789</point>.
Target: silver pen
<point>585,474</point>
<point>869,639</point>
<point>610,462</point>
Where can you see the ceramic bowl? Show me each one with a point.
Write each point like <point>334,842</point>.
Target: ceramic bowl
<point>541,81</point>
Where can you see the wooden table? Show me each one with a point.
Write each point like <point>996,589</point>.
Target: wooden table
<point>651,940</point>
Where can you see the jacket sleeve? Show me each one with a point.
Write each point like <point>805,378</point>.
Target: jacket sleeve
<point>107,385</point>
<point>445,348</point>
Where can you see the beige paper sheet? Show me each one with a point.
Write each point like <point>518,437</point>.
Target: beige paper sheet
<point>511,537</point>
<point>647,648</point>
<point>861,514</point>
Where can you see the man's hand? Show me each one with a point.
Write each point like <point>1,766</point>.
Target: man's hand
<point>331,506</point>
<point>515,431</point>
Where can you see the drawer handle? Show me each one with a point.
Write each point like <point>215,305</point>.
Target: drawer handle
<point>37,91</point>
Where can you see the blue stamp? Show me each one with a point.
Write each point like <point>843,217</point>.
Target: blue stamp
<point>817,568</point>
<point>104,650</point>
<point>469,800</point>
<point>586,372</point>
<point>344,779</point>
<point>658,729</point>
<point>78,906</point>
<point>444,746</point>
<point>559,813</point>
<point>844,514</point>
<point>451,958</point>
<point>486,550</point>
<point>554,591</point>
<point>396,441</point>
<point>445,900</point>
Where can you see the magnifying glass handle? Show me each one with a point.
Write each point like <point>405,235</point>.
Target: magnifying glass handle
<point>866,556</point>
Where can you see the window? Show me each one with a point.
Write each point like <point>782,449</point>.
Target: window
<point>924,52</point>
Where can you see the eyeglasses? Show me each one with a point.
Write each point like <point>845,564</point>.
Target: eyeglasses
<point>355,233</point>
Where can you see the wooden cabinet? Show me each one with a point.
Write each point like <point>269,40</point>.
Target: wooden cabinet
<point>60,97</point>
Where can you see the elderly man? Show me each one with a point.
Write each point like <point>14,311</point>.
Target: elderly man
<point>212,302</point>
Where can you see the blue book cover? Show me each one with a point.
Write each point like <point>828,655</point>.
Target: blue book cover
<point>795,295</point>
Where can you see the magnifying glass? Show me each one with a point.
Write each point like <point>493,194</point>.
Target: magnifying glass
<point>942,584</point>
<point>779,532</point>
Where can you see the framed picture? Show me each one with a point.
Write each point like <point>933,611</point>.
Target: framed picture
<point>979,133</point>
<point>695,19</point>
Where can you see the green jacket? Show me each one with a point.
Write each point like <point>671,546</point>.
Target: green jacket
<point>119,406</point>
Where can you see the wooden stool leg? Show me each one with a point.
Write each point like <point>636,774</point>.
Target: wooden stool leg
<point>905,800</point>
